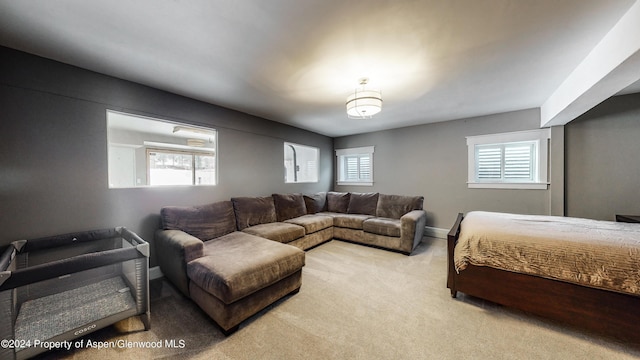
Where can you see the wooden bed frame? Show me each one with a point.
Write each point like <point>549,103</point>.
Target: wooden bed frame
<point>604,312</point>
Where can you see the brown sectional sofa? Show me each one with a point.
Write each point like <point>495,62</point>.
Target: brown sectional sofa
<point>392,222</point>
<point>234,258</point>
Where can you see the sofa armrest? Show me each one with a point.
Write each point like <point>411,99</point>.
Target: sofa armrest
<point>412,226</point>
<point>176,248</point>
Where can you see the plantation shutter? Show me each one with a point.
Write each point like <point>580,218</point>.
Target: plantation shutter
<point>489,162</point>
<point>518,164</point>
<point>365,167</point>
<point>505,162</point>
<point>351,171</point>
<point>357,167</point>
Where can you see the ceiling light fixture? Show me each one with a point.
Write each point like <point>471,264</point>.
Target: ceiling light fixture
<point>191,130</point>
<point>363,104</point>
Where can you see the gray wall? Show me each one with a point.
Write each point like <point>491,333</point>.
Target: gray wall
<point>603,163</point>
<point>431,160</point>
<point>53,151</point>
<point>53,156</point>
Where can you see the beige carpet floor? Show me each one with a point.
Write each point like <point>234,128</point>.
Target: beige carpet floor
<point>356,302</point>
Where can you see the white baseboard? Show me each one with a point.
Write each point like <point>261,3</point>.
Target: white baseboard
<point>155,273</point>
<point>435,232</point>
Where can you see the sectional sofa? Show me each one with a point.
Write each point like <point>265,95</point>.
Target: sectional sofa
<point>234,258</point>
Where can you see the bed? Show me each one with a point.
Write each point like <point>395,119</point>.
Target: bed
<point>58,288</point>
<point>581,272</point>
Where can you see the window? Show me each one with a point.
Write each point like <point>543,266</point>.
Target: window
<point>167,167</point>
<point>355,166</point>
<point>506,162</point>
<point>300,163</point>
<point>149,152</point>
<point>510,160</point>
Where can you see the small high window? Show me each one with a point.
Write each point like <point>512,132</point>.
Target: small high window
<point>355,166</point>
<point>510,160</point>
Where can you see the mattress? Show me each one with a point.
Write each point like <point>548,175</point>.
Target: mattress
<point>599,254</point>
<point>49,316</point>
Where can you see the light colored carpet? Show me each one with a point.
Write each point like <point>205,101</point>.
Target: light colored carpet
<point>358,302</point>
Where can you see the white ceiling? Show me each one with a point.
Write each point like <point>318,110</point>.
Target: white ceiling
<point>296,61</point>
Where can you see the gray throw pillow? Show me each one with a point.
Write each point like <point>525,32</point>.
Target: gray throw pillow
<point>338,201</point>
<point>316,203</point>
<point>363,203</point>
<point>252,211</point>
<point>289,206</point>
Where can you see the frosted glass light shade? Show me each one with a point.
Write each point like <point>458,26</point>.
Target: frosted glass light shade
<point>364,104</point>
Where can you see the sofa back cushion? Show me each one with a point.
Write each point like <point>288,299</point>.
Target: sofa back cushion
<point>338,201</point>
<point>394,206</point>
<point>252,211</point>
<point>205,222</point>
<point>316,203</point>
<point>363,203</point>
<point>289,206</point>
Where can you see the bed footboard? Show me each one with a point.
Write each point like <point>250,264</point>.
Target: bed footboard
<point>452,240</point>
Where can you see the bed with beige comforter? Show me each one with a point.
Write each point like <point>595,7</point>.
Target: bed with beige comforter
<point>599,254</point>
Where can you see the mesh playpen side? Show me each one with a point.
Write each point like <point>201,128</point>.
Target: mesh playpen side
<point>62,287</point>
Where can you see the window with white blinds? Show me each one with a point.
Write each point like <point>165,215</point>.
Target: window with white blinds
<point>509,160</point>
<point>506,162</point>
<point>355,166</point>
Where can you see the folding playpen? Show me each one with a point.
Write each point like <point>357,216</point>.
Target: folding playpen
<point>62,287</point>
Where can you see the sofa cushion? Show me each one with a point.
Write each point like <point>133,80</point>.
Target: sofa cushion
<point>382,226</point>
<point>316,202</point>
<point>277,231</point>
<point>337,201</point>
<point>394,206</point>
<point>239,264</point>
<point>204,222</point>
<point>252,211</point>
<point>363,203</point>
<point>289,206</point>
<point>351,221</point>
<point>312,223</point>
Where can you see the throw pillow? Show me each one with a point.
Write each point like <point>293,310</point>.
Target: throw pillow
<point>338,201</point>
<point>254,211</point>
<point>315,203</point>
<point>363,203</point>
<point>289,206</point>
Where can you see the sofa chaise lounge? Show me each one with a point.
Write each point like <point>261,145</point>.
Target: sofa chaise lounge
<point>234,258</point>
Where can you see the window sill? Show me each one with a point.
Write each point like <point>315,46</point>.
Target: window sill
<point>523,186</point>
<point>353,183</point>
